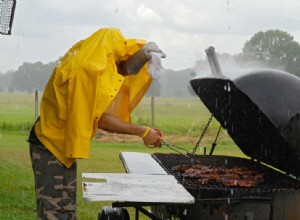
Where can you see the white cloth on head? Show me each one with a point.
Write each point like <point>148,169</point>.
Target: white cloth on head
<point>154,65</point>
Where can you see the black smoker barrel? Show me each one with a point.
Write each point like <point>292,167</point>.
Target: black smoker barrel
<point>260,110</point>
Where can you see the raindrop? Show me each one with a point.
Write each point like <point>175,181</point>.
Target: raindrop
<point>231,191</point>
<point>228,87</point>
<point>226,217</point>
<point>228,201</point>
<point>201,149</point>
<point>226,162</point>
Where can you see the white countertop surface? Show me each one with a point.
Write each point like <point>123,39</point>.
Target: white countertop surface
<point>146,181</point>
<point>124,187</point>
<point>141,163</point>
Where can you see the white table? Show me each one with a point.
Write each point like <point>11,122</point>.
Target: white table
<point>145,182</point>
<point>139,188</point>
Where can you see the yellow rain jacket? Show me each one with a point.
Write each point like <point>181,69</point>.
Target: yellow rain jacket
<point>84,85</point>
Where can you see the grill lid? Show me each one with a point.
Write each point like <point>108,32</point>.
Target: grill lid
<point>261,112</point>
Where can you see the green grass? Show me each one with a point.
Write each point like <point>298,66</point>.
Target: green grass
<point>181,120</point>
<point>16,111</point>
<point>16,191</point>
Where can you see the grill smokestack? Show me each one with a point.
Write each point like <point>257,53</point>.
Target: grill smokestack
<point>213,62</point>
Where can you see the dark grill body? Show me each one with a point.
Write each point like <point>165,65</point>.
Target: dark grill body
<point>260,111</point>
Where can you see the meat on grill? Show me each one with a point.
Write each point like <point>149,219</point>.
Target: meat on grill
<point>236,176</point>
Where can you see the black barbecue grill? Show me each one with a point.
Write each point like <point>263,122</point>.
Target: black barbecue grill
<point>257,109</point>
<point>260,110</point>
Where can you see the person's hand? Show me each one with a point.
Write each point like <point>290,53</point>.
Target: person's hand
<point>138,59</point>
<point>153,138</point>
<point>152,47</point>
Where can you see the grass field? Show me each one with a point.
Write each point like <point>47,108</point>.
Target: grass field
<point>180,119</point>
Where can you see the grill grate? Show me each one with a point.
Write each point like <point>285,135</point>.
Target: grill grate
<point>274,181</point>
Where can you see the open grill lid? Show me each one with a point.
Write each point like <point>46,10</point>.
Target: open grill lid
<point>260,111</point>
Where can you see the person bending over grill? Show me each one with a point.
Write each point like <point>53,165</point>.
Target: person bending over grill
<point>96,84</point>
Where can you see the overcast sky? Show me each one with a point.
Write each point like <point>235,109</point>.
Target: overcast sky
<point>44,30</point>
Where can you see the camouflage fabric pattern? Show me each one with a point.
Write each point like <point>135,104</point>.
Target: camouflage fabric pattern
<point>55,185</point>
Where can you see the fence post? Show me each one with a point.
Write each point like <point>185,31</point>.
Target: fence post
<point>36,115</point>
<point>152,111</point>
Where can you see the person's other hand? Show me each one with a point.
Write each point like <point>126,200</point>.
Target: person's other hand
<point>138,59</point>
<point>152,47</point>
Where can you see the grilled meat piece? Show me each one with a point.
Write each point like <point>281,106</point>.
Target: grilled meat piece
<point>180,168</point>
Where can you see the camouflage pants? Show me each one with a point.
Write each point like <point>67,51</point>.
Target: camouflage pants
<point>55,185</point>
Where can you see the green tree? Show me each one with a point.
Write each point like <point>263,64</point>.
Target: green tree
<point>275,48</point>
<point>31,76</point>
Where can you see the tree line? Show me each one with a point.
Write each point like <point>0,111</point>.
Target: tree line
<point>273,49</point>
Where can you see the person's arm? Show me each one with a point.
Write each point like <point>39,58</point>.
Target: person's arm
<point>121,65</point>
<point>133,65</point>
<point>110,123</point>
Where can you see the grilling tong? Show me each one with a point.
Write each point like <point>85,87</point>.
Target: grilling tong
<point>177,149</point>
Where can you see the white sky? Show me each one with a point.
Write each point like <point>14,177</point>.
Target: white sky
<point>43,30</point>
